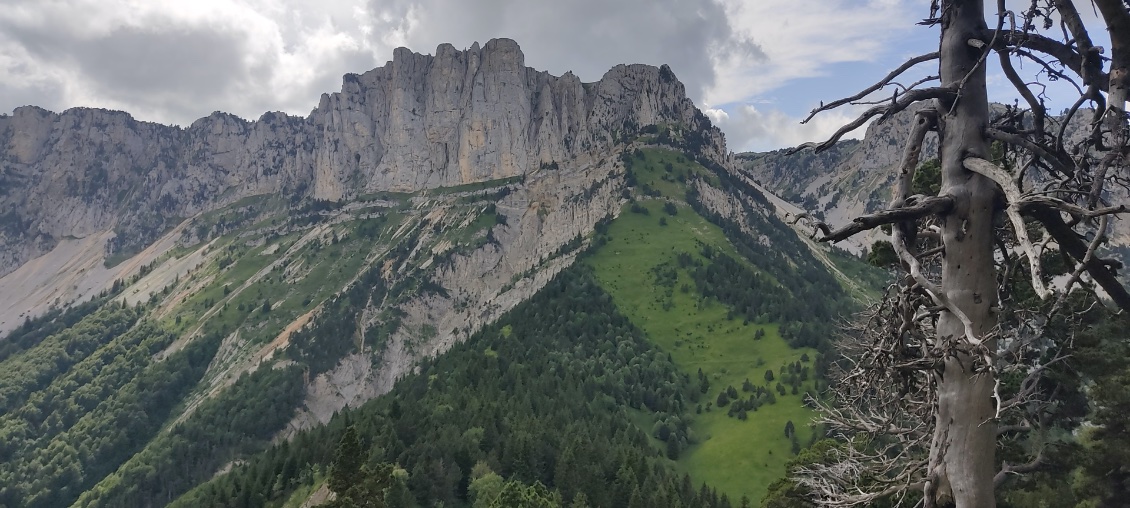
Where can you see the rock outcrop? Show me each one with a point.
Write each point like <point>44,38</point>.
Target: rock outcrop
<point>418,122</point>
<point>848,180</point>
<point>854,177</point>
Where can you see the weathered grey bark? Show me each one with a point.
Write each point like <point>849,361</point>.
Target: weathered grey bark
<point>931,353</point>
<point>962,455</point>
<point>1117,18</point>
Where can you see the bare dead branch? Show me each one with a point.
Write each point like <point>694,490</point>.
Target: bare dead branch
<point>1009,470</point>
<point>914,267</point>
<point>926,206</point>
<point>1037,107</point>
<point>1012,194</point>
<point>1048,69</point>
<point>817,225</point>
<point>1030,384</point>
<point>1057,162</point>
<point>1082,265</point>
<point>867,91</point>
<point>1099,180</point>
<point>1063,53</point>
<point>1090,62</point>
<point>901,103</point>
<point>925,121</point>
<point>1032,202</point>
<point>1070,243</point>
<point>912,86</point>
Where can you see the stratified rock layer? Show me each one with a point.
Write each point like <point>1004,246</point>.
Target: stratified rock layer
<point>418,122</point>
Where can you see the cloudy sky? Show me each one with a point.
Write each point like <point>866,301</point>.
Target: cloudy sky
<point>755,66</point>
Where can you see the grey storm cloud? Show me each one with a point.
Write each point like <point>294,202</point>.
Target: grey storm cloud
<point>585,36</point>
<point>168,66</point>
<point>14,93</point>
<point>171,69</point>
<point>133,62</point>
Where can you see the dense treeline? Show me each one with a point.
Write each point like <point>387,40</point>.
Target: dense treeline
<point>542,397</point>
<point>93,415</point>
<point>1102,476</point>
<point>238,422</point>
<point>1087,452</point>
<point>27,371</point>
<point>77,404</point>
<point>753,296</point>
<point>33,331</point>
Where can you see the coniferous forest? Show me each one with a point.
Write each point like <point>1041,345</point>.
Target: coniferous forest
<point>540,405</point>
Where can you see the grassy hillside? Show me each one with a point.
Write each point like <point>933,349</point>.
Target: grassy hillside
<point>646,263</point>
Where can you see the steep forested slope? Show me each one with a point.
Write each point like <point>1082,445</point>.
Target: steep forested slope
<point>207,357</point>
<point>664,355</point>
<point>209,364</point>
<point>547,394</point>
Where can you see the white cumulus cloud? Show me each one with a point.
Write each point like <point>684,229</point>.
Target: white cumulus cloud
<point>174,62</point>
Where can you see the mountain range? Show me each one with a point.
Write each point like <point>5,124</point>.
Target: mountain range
<point>221,314</point>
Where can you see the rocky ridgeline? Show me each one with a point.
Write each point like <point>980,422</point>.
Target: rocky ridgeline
<point>418,122</point>
<point>852,178</point>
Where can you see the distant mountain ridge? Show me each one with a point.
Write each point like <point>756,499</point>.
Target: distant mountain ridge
<point>418,122</point>
<point>86,184</point>
<point>854,177</point>
<point>849,179</point>
<point>445,189</point>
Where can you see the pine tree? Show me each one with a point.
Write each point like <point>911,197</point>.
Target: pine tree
<point>580,501</point>
<point>673,448</point>
<point>346,469</point>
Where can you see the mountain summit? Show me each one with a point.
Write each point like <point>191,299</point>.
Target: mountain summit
<point>419,122</point>
<point>90,183</point>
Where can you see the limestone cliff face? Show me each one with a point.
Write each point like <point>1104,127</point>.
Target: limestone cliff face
<point>85,171</point>
<point>418,122</point>
<point>543,214</point>
<point>425,121</point>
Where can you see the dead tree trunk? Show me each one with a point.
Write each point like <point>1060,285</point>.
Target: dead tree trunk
<point>920,390</point>
<point>963,448</point>
<point>1117,19</point>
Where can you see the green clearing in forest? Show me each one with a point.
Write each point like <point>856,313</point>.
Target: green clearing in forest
<point>739,458</point>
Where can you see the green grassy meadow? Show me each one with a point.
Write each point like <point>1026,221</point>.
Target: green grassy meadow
<point>739,458</point>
